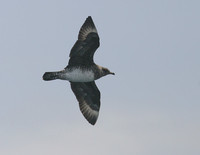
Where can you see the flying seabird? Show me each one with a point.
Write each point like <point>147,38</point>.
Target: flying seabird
<point>82,72</point>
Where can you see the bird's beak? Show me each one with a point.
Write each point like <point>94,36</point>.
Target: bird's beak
<point>112,73</point>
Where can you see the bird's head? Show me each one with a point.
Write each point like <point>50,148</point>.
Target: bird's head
<point>106,71</point>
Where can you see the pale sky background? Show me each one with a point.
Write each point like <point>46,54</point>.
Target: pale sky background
<point>150,107</point>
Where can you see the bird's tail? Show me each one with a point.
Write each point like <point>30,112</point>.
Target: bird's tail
<point>50,76</point>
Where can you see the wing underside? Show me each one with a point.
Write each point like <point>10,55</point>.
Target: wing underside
<point>87,43</point>
<point>88,97</point>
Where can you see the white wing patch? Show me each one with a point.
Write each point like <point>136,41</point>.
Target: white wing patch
<point>85,31</point>
<point>88,112</point>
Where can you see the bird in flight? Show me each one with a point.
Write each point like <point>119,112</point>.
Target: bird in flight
<point>82,72</point>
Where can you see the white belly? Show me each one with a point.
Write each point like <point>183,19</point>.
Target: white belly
<point>77,75</point>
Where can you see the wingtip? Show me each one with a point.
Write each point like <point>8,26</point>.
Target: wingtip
<point>89,20</point>
<point>92,121</point>
<point>89,17</point>
<point>87,27</point>
<point>90,115</point>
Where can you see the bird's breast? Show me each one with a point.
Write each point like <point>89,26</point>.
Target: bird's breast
<point>79,75</point>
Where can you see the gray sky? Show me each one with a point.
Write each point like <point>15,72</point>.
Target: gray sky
<point>151,106</point>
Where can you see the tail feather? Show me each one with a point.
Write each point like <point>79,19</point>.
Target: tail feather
<point>50,76</point>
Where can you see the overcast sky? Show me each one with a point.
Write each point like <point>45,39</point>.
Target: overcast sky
<point>150,107</point>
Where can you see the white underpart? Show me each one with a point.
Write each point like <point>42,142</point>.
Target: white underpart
<point>78,75</point>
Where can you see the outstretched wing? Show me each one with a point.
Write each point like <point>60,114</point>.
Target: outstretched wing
<point>88,41</point>
<point>88,97</point>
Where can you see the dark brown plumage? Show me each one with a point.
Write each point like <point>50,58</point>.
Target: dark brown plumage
<point>82,71</point>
